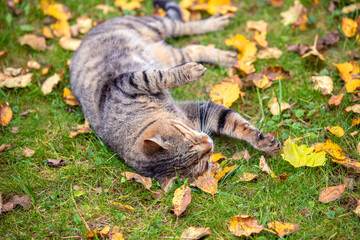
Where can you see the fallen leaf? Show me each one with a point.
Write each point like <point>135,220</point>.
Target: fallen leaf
<point>349,27</point>
<point>283,177</point>
<point>5,114</point>
<point>330,148</point>
<point>336,99</point>
<point>128,5</point>
<point>28,152</point>
<point>220,6</point>
<point>301,22</point>
<point>323,83</point>
<point>216,157</point>
<point>19,81</point>
<point>348,70</point>
<point>260,26</point>
<point>330,194</point>
<point>244,225</point>
<point>207,183</point>
<point>336,130</point>
<point>274,106</point>
<point>145,181</point>
<point>61,29</point>
<point>268,53</point>
<point>46,32</point>
<point>4,147</point>
<point>277,3</point>
<point>26,112</point>
<point>265,168</point>
<point>82,130</point>
<point>221,174</point>
<point>314,51</point>
<point>247,177</point>
<point>56,10</point>
<point>3,52</point>
<point>351,8</point>
<point>299,48</point>
<point>357,209</point>
<point>351,164</point>
<point>50,83</point>
<point>158,194</point>
<point>354,133</point>
<point>262,81</point>
<point>34,41</point>
<point>23,201</point>
<point>69,98</point>
<point>181,199</point>
<point>283,229</point>
<point>69,43</point>
<point>44,71</point>
<point>260,39</point>
<point>355,122</point>
<point>33,64</point>
<point>192,233</point>
<point>56,162</point>
<point>275,73</point>
<point>243,154</point>
<point>106,8</point>
<point>104,233</point>
<point>330,39</point>
<point>124,207</point>
<point>293,13</point>
<point>225,93</point>
<point>84,23</point>
<point>355,108</point>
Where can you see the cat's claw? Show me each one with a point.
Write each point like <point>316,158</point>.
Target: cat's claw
<point>219,22</point>
<point>193,71</point>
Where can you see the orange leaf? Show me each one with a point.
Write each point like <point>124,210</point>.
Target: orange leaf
<point>216,157</point>
<point>244,225</point>
<point>330,194</point>
<point>336,99</point>
<point>349,27</point>
<point>330,148</point>
<point>207,183</point>
<point>181,199</point>
<point>145,181</point>
<point>283,229</point>
<point>69,98</point>
<point>225,93</point>
<point>124,207</point>
<point>28,152</point>
<point>221,174</point>
<point>5,114</point>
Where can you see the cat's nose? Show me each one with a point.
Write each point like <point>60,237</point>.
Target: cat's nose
<point>206,144</point>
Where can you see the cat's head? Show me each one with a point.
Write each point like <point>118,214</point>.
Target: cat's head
<point>172,147</point>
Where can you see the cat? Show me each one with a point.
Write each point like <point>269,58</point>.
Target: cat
<point>121,74</point>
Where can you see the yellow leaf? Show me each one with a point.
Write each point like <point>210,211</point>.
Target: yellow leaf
<point>246,67</point>
<point>225,93</point>
<point>105,230</point>
<point>207,183</point>
<point>323,83</point>
<point>274,106</point>
<point>28,152</point>
<point>5,114</point>
<point>302,155</point>
<point>221,174</point>
<point>260,26</point>
<point>247,177</point>
<point>82,130</point>
<point>49,83</point>
<point>352,85</point>
<point>56,10</point>
<point>69,43</point>
<point>355,121</point>
<point>293,13</point>
<point>330,148</point>
<point>34,41</point>
<point>128,5</point>
<point>145,181</point>
<point>124,207</point>
<point>260,38</point>
<point>247,50</point>
<point>181,199</point>
<point>348,70</point>
<point>220,6</point>
<point>351,164</point>
<point>336,130</point>
<point>330,194</point>
<point>192,233</point>
<point>349,27</point>
<point>244,225</point>
<point>117,236</point>
<point>262,82</point>
<point>216,157</point>
<point>46,32</point>
<point>336,99</point>
<point>283,229</point>
<point>69,98</point>
<point>61,29</point>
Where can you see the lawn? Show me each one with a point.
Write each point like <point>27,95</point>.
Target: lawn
<point>92,178</point>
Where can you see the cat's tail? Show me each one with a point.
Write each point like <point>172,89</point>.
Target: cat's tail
<point>172,9</point>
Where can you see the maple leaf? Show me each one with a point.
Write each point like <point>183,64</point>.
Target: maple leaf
<point>283,229</point>
<point>5,114</point>
<point>181,199</point>
<point>225,93</point>
<point>302,155</point>
<point>244,225</point>
<point>330,194</point>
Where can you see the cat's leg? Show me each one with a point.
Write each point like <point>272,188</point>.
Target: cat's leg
<point>157,80</point>
<point>208,116</point>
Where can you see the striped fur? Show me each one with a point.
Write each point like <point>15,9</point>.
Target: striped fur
<point>121,74</point>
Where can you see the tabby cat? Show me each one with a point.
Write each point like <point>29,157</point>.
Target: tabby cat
<point>121,74</point>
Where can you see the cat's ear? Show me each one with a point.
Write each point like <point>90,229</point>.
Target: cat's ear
<point>153,145</point>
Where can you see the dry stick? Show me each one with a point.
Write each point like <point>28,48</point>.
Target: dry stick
<point>77,209</point>
<point>70,237</point>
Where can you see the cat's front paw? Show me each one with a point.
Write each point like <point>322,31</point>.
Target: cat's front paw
<point>219,22</point>
<point>227,58</point>
<point>267,144</point>
<point>193,71</point>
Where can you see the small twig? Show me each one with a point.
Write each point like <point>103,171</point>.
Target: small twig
<point>77,209</point>
<point>70,237</point>
<point>345,214</point>
<point>165,237</point>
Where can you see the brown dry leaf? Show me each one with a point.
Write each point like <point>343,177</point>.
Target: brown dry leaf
<point>4,147</point>
<point>5,114</point>
<point>34,41</point>
<point>124,207</point>
<point>351,164</point>
<point>207,183</point>
<point>336,99</point>
<point>267,53</point>
<point>19,81</point>
<point>192,233</point>
<point>299,48</point>
<point>50,83</point>
<point>106,8</point>
<point>277,3</point>
<point>330,194</point>
<point>357,209</point>
<point>330,39</point>
<point>283,177</point>
<point>276,73</point>
<point>301,22</point>
<point>265,167</point>
<point>221,174</point>
<point>293,13</point>
<point>82,130</point>
<point>336,130</point>
<point>145,181</point>
<point>128,5</point>
<point>56,162</point>
<point>56,10</point>
<point>274,106</point>
<point>313,51</point>
<point>323,83</point>
<point>349,27</point>
<point>28,152</point>
<point>61,29</point>
<point>181,199</point>
<point>244,225</point>
<point>355,108</point>
<point>69,43</point>
<point>260,26</point>
<point>69,98</point>
<point>225,93</point>
<point>84,23</point>
<point>25,113</point>
<point>24,201</point>
<point>247,177</point>
<point>243,154</point>
<point>46,32</point>
<point>351,8</point>
<point>283,229</point>
<point>33,64</point>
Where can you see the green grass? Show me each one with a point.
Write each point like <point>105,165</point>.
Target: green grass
<point>91,164</point>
